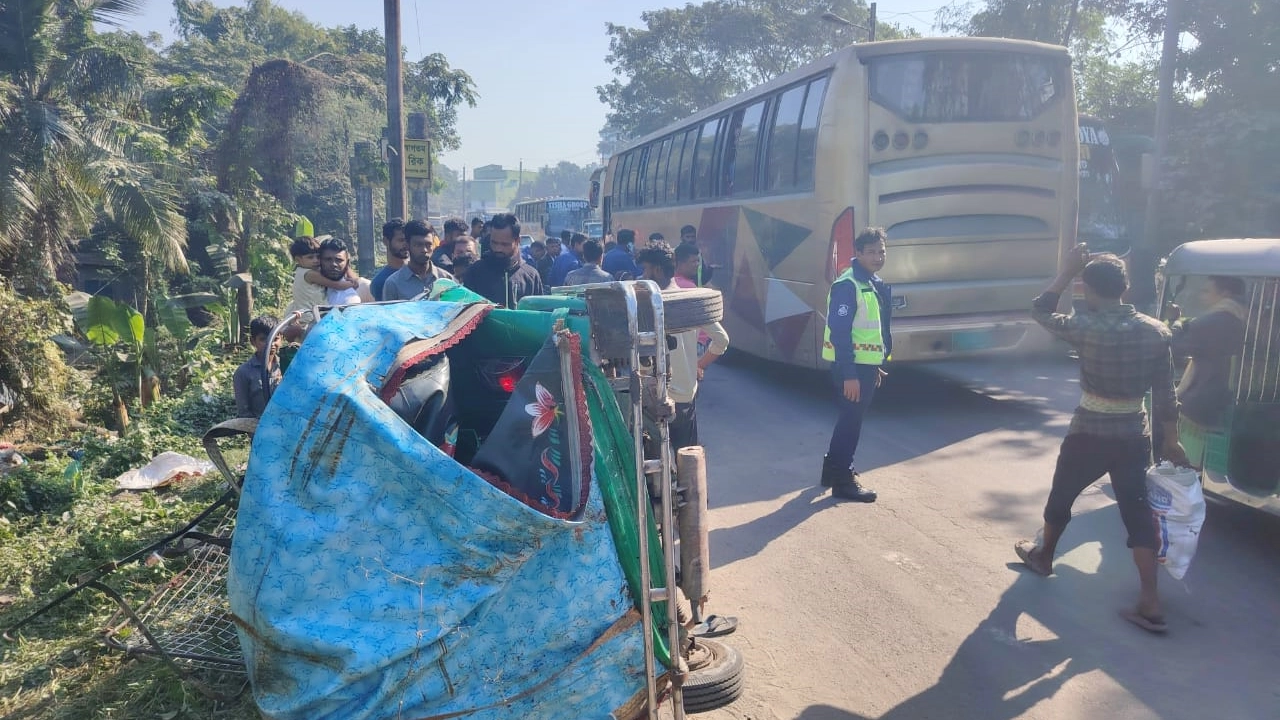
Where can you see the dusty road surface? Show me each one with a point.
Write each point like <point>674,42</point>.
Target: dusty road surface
<point>913,608</point>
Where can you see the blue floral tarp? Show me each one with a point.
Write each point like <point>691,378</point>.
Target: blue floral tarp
<point>372,576</point>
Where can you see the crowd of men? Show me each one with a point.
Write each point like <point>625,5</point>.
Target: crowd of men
<point>485,257</point>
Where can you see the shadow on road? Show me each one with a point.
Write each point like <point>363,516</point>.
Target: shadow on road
<point>827,712</point>
<point>766,426</point>
<point>1217,661</point>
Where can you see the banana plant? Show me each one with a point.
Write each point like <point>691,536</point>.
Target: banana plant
<point>119,338</point>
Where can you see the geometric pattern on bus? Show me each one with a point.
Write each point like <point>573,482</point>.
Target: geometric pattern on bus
<point>717,236</point>
<point>777,239</point>
<point>787,332</point>
<point>786,315</point>
<point>746,302</point>
<point>780,302</point>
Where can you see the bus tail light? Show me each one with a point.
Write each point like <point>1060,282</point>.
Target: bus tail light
<point>842,233</point>
<point>920,140</point>
<point>880,140</point>
<point>901,140</point>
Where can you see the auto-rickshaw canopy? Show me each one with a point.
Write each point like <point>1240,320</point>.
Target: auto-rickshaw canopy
<point>1246,257</point>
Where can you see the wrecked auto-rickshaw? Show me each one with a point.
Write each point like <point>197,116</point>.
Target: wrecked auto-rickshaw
<point>453,510</point>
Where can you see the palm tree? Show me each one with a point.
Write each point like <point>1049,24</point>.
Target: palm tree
<point>65,125</point>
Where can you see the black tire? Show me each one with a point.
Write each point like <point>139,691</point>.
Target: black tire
<point>716,683</point>
<point>692,307</point>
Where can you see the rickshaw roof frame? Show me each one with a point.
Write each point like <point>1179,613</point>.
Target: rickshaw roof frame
<point>1241,257</point>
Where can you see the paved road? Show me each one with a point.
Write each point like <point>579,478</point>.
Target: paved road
<point>911,609</point>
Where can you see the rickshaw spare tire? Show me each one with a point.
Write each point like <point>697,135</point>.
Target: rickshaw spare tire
<point>683,309</point>
<point>689,308</point>
<point>716,676</point>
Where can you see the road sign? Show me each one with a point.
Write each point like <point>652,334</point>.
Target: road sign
<point>417,162</point>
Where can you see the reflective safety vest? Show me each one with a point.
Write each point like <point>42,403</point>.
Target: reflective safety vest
<point>868,334</point>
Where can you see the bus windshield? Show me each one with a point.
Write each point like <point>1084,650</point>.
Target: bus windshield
<point>566,215</point>
<point>952,87</point>
<point>1100,223</point>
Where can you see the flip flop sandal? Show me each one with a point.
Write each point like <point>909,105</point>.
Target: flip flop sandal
<point>1024,549</point>
<point>715,626</point>
<point>1154,625</point>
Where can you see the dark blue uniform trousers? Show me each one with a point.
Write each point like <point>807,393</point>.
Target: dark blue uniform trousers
<point>844,439</point>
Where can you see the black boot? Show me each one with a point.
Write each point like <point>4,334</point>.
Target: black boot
<point>833,475</point>
<point>844,483</point>
<point>853,490</point>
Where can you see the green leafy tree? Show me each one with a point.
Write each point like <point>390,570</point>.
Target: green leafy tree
<point>1223,171</point>
<point>65,141</point>
<point>1051,21</point>
<point>564,179</point>
<point>685,59</point>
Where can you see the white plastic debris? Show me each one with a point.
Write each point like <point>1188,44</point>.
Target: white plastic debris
<point>165,468</point>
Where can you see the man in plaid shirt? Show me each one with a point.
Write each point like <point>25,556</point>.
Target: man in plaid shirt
<point>1123,355</point>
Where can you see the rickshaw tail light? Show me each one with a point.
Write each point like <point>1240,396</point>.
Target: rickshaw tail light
<point>507,382</point>
<point>502,373</point>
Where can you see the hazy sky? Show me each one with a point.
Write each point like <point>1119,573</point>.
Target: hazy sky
<point>536,63</point>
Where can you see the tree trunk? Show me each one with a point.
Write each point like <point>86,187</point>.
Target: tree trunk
<point>121,410</point>
<point>1071,23</point>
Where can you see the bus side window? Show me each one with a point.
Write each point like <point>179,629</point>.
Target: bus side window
<point>806,154</point>
<point>781,163</point>
<point>729,153</point>
<point>703,168</point>
<point>657,178</point>
<point>619,170</point>
<point>684,178</point>
<point>746,150</point>
<point>633,177</point>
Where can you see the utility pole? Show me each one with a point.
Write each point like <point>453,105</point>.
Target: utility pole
<point>364,214</point>
<point>419,187</point>
<point>871,26</point>
<point>395,115</point>
<point>520,182</point>
<point>465,208</point>
<point>1164,106</point>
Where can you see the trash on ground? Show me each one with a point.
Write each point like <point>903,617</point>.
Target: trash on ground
<point>167,467</point>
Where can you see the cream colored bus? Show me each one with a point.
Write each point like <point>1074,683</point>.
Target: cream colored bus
<point>963,149</point>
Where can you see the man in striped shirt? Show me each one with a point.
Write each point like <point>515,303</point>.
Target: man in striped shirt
<point>1123,356</point>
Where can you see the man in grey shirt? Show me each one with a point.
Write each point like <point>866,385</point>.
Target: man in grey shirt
<point>419,274</point>
<point>590,271</point>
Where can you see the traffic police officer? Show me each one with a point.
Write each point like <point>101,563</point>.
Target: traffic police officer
<point>857,343</point>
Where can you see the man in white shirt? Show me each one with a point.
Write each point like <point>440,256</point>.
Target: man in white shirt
<point>335,264</point>
<point>659,265</point>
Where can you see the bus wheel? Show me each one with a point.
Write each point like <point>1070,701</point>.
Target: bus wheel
<point>716,676</point>
<point>691,308</point>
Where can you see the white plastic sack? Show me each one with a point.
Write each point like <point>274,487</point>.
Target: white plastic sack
<point>1177,504</point>
<point>165,468</point>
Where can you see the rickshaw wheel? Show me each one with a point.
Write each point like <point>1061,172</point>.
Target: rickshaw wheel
<point>716,676</point>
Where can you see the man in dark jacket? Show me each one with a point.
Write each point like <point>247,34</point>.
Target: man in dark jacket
<point>619,262</point>
<point>857,343</point>
<point>502,275</point>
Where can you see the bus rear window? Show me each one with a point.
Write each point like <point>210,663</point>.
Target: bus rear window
<point>948,87</point>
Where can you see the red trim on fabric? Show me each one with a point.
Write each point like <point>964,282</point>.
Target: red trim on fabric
<point>585,445</point>
<point>397,377</point>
